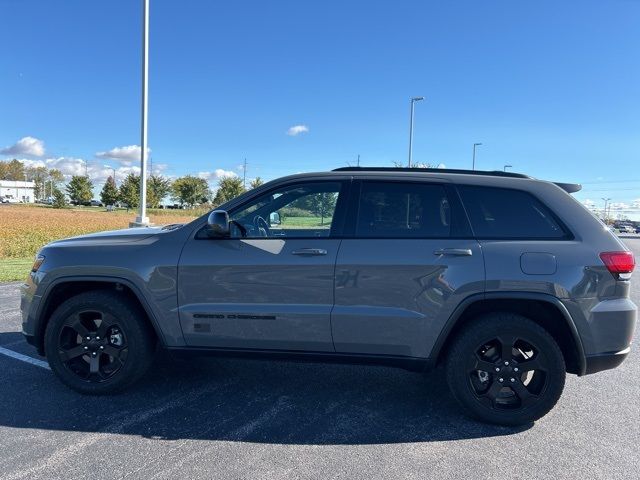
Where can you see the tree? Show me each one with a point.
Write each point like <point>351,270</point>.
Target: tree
<point>228,188</point>
<point>256,182</point>
<point>59,199</point>
<point>12,170</point>
<point>414,165</point>
<point>323,204</point>
<point>158,187</point>
<point>55,176</point>
<point>80,190</point>
<point>38,175</point>
<point>109,194</point>
<point>130,191</point>
<point>190,190</point>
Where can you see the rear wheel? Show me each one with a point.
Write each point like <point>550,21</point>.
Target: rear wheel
<point>505,369</point>
<point>98,343</point>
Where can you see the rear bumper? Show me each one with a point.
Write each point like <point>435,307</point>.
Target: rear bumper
<point>605,361</point>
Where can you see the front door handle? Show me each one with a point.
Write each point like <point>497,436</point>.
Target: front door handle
<point>455,252</point>
<point>310,251</point>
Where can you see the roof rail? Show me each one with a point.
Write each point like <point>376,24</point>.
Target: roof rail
<point>495,173</point>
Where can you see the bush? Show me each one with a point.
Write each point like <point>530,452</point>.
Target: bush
<point>59,199</point>
<point>294,212</point>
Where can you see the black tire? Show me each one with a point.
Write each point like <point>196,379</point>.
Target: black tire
<point>93,364</point>
<point>499,393</point>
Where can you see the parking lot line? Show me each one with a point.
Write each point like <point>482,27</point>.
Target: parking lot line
<point>24,358</point>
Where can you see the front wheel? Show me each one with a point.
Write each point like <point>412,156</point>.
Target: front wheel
<point>97,343</point>
<point>505,369</point>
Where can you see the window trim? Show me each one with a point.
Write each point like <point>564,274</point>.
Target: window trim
<point>460,228</point>
<point>568,234</point>
<point>338,218</point>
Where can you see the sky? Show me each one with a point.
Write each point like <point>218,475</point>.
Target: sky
<point>551,88</point>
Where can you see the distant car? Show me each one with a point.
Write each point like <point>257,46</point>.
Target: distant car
<point>638,229</point>
<point>96,203</point>
<point>10,199</point>
<point>627,229</point>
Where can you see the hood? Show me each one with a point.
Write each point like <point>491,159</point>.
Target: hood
<point>111,237</point>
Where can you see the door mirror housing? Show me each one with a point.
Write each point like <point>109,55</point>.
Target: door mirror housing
<point>218,222</point>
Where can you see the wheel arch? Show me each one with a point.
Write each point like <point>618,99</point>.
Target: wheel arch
<point>546,310</point>
<point>64,288</point>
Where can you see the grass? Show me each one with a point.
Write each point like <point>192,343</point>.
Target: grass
<point>24,229</point>
<point>305,222</point>
<point>15,269</point>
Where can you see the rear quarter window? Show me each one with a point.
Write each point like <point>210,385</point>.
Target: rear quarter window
<point>502,213</point>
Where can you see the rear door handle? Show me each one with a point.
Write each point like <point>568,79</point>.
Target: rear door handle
<point>310,251</point>
<point>455,252</point>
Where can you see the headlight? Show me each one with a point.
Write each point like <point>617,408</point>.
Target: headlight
<point>39,260</point>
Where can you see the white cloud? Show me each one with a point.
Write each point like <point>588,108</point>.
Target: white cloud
<point>619,206</point>
<point>217,174</point>
<point>29,146</point>
<point>297,130</point>
<point>441,165</point>
<point>98,173</point>
<point>125,155</point>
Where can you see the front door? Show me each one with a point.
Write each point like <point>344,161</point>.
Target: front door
<point>271,286</point>
<point>409,262</point>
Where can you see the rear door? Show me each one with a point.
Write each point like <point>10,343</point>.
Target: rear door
<point>407,260</point>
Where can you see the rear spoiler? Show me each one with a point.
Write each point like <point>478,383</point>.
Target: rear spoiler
<point>569,187</point>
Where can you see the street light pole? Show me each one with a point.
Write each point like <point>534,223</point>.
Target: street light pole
<point>413,101</point>
<point>142,219</point>
<point>606,201</point>
<point>507,166</point>
<point>473,164</point>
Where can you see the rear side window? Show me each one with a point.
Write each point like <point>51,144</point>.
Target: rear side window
<point>505,213</point>
<point>403,210</point>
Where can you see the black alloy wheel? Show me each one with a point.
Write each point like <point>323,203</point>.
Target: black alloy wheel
<point>506,369</point>
<point>92,345</point>
<point>507,372</point>
<point>99,342</point>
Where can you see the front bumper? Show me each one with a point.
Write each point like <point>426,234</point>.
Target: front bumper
<point>29,303</point>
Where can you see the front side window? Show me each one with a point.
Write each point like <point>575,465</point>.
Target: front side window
<point>403,210</point>
<point>503,213</point>
<point>303,210</point>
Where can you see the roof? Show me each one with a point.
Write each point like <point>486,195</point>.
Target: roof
<point>568,187</point>
<point>494,173</point>
<point>16,184</point>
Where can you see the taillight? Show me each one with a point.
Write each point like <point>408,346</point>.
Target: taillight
<point>619,263</point>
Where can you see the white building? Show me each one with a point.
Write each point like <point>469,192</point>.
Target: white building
<point>22,191</point>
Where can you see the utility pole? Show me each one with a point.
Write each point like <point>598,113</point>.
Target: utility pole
<point>244,174</point>
<point>142,220</point>
<point>413,101</point>
<point>473,164</point>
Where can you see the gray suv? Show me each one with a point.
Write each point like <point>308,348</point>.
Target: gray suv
<point>506,281</point>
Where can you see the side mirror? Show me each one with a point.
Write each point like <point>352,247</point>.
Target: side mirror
<point>274,218</point>
<point>219,223</point>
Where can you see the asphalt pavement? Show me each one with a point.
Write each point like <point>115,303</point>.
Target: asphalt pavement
<point>233,418</point>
